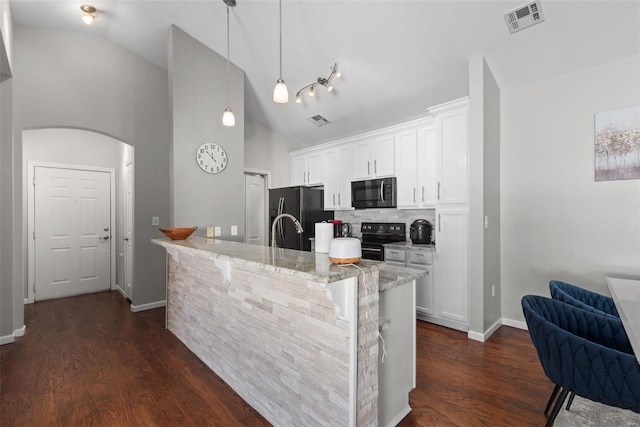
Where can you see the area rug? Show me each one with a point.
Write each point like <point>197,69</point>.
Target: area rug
<point>584,412</point>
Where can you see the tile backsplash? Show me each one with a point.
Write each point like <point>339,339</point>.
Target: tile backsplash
<point>358,216</point>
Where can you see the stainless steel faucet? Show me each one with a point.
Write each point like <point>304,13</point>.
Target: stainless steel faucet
<point>299,228</point>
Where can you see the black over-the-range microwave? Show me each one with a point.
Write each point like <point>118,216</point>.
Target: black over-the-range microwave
<point>374,193</point>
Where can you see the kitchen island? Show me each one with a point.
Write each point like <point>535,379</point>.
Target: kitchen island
<point>293,334</point>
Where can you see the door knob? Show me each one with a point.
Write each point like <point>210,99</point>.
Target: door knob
<point>126,239</point>
<point>104,238</point>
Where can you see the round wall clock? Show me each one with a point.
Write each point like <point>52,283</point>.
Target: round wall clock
<point>211,158</point>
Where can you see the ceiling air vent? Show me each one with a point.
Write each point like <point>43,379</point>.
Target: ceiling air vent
<point>524,16</point>
<point>318,120</point>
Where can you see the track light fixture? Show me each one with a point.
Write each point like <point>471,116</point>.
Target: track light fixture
<point>326,82</point>
<point>90,13</point>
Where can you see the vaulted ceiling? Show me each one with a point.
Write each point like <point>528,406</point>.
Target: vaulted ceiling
<point>396,57</point>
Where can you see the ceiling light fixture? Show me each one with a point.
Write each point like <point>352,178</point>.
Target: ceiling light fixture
<point>90,13</point>
<point>326,82</point>
<point>280,92</point>
<point>228,119</point>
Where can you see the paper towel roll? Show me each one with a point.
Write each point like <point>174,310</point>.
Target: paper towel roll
<point>324,235</point>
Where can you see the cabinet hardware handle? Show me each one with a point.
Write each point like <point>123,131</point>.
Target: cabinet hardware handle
<point>368,167</point>
<point>423,194</point>
<point>334,198</point>
<point>339,199</point>
<point>439,228</point>
<point>438,190</point>
<point>414,194</point>
<point>375,166</point>
<point>308,177</point>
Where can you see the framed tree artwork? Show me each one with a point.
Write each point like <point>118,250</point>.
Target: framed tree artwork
<point>617,144</point>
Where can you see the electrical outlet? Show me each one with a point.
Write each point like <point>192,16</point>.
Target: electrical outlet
<point>209,232</point>
<point>155,221</point>
<point>234,230</point>
<point>218,231</point>
<point>486,221</point>
<point>493,291</point>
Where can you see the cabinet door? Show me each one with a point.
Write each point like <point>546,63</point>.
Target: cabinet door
<point>331,180</point>
<point>451,269</point>
<point>362,168</point>
<point>406,149</point>
<point>299,170</point>
<point>452,138</point>
<point>427,186</point>
<point>383,154</point>
<point>314,169</point>
<point>345,176</point>
<point>424,290</point>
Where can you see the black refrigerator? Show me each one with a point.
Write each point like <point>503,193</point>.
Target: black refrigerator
<point>304,203</point>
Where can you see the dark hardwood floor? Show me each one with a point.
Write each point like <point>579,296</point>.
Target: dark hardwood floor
<point>88,360</point>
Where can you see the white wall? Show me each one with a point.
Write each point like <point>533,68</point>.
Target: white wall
<point>6,36</point>
<point>198,92</point>
<point>557,222</point>
<point>267,150</point>
<point>110,91</point>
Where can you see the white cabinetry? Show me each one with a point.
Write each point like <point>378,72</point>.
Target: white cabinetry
<point>338,173</point>
<point>415,155</point>
<point>423,260</point>
<point>307,169</point>
<point>374,158</point>
<point>452,149</point>
<point>451,275</point>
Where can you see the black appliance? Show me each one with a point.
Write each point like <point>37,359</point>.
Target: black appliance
<point>376,234</point>
<point>374,193</point>
<point>420,232</point>
<point>304,203</point>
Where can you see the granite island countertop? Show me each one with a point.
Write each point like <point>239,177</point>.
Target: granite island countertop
<point>306,265</point>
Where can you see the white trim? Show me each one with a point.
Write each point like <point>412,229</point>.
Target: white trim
<point>31,165</point>
<point>515,323</point>
<point>265,173</point>
<point>119,289</point>
<point>7,339</point>
<point>449,105</point>
<point>482,337</point>
<point>28,301</point>
<point>399,417</point>
<point>20,332</point>
<point>149,306</point>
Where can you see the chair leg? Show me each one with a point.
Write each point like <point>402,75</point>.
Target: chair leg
<point>571,397</point>
<point>557,406</point>
<point>554,393</point>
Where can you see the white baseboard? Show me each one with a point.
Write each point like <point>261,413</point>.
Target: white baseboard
<point>28,301</point>
<point>399,417</point>
<point>515,323</point>
<point>20,332</point>
<point>149,306</point>
<point>121,291</point>
<point>482,337</point>
<point>7,339</point>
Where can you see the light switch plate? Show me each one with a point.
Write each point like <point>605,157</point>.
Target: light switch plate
<point>155,221</point>
<point>234,230</point>
<point>218,231</point>
<point>209,231</point>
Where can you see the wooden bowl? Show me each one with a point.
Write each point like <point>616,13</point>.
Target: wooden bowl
<point>178,233</point>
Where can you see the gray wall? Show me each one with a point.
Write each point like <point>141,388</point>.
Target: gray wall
<point>67,79</point>
<point>484,196</point>
<point>197,79</point>
<point>267,150</point>
<point>557,222</point>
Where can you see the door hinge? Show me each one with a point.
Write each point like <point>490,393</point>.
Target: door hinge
<point>34,234</point>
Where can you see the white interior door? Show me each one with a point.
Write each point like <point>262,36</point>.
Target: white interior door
<point>128,231</point>
<point>255,206</point>
<point>72,219</point>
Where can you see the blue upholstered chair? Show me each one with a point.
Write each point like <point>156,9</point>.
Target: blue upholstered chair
<point>584,353</point>
<point>583,298</point>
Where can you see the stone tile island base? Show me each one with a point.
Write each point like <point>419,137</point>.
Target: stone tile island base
<point>280,339</point>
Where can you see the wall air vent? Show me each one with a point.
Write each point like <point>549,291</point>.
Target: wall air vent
<point>318,120</point>
<point>524,16</point>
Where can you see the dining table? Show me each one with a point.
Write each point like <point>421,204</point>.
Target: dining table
<point>626,297</point>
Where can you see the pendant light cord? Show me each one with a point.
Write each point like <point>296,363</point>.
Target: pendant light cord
<point>280,39</point>
<point>228,54</point>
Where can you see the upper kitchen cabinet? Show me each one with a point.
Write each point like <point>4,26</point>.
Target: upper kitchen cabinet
<point>374,158</point>
<point>415,157</point>
<point>338,172</point>
<point>451,124</point>
<point>307,169</point>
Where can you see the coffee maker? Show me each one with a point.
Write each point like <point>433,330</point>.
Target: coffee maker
<point>341,229</point>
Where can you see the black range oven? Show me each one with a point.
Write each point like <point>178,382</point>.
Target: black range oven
<point>376,234</point>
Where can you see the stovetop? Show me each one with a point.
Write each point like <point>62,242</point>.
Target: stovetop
<point>383,232</point>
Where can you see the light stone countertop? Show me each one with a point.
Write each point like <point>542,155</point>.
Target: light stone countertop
<point>307,265</point>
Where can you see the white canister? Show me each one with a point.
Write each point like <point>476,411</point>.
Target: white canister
<point>324,235</point>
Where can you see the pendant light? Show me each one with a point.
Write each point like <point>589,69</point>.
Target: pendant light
<point>280,92</point>
<point>228,119</point>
